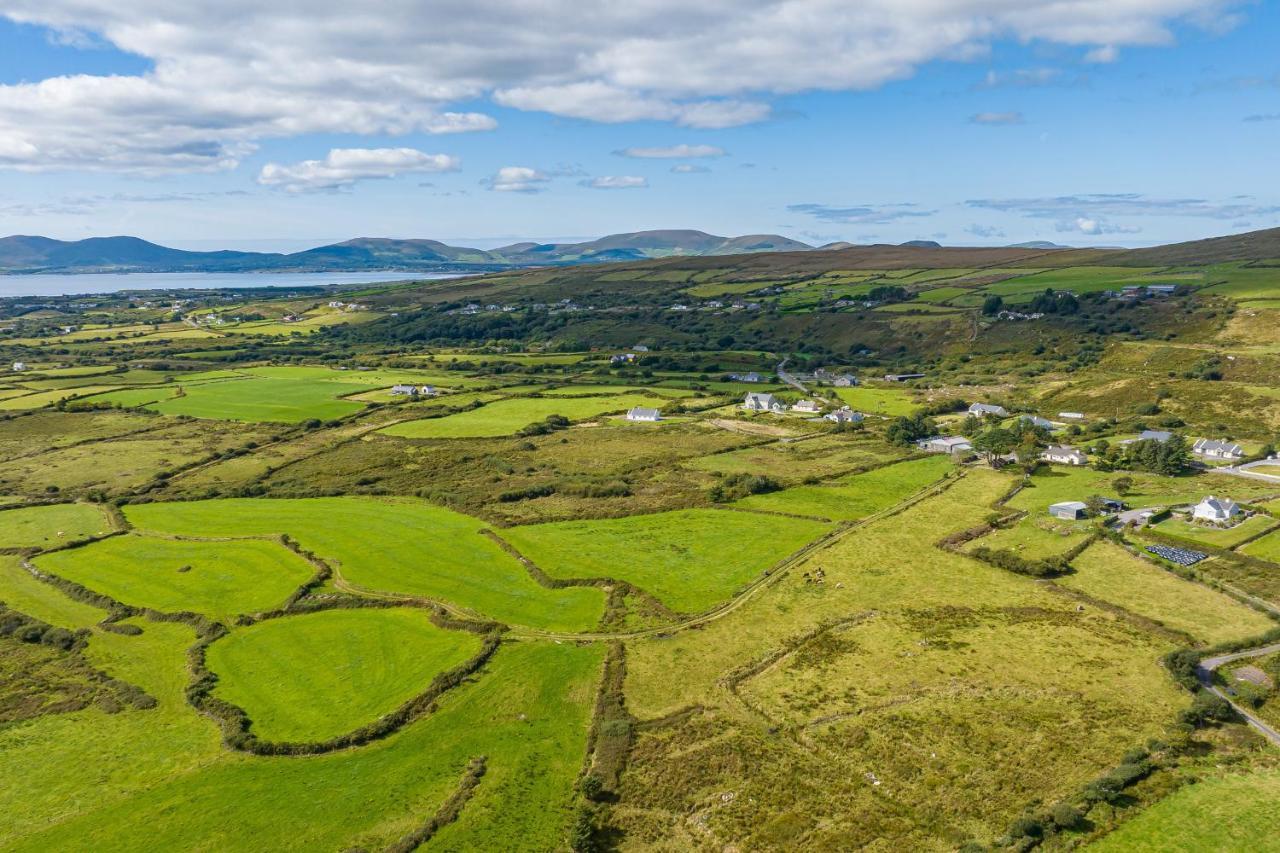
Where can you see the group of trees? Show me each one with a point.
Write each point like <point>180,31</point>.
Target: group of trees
<point>1170,458</point>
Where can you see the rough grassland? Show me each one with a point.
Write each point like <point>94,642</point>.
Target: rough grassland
<point>221,579</point>
<point>403,546</point>
<point>506,416</point>
<point>793,460</point>
<point>1266,548</point>
<point>1109,572</point>
<point>933,687</point>
<point>1229,813</point>
<point>857,496</point>
<point>316,676</point>
<point>691,559</point>
<point>50,526</point>
<point>1216,537</point>
<point>1035,538</point>
<point>160,780</point>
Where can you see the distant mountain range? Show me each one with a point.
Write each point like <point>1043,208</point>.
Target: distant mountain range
<point>20,254</point>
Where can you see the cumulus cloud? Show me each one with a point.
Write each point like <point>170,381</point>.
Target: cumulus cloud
<point>616,182</point>
<point>517,179</point>
<point>997,118</point>
<point>1103,55</point>
<point>868,214</point>
<point>984,231</point>
<point>689,169</point>
<point>223,76</point>
<point>1093,227</point>
<point>1069,208</point>
<point>674,152</point>
<point>344,166</point>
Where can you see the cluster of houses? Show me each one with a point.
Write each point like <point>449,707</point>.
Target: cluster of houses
<point>759,402</point>
<point>747,377</point>
<point>1219,512</point>
<point>413,391</point>
<point>1139,291</point>
<point>347,306</point>
<point>822,376</point>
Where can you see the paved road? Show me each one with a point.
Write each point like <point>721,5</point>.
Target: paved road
<point>1205,672</point>
<point>788,378</point>
<point>1244,471</point>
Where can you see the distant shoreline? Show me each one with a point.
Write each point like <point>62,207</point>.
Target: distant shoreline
<point>50,285</point>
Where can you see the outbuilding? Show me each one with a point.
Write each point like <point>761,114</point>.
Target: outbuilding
<point>1069,510</point>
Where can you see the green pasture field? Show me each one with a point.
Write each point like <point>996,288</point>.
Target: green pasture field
<point>447,357</point>
<point>1035,537</point>
<point>941,294</point>
<point>1080,280</point>
<point>316,676</point>
<point>690,559</point>
<point>1218,538</point>
<point>1051,486</point>
<point>856,496</point>
<point>190,792</point>
<point>596,390</point>
<point>915,307</point>
<point>43,431</point>
<point>130,398</point>
<point>931,682</point>
<point>22,592</point>
<point>402,546</point>
<point>82,370</point>
<point>1111,573</point>
<point>222,578</point>
<point>51,526</point>
<point>1239,281</point>
<point>880,401</point>
<point>1224,813</point>
<point>507,416</point>
<point>256,400</point>
<point>48,398</point>
<point>794,460</point>
<point>1266,548</point>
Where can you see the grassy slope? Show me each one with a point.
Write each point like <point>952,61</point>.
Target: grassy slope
<point>224,579</point>
<point>316,676</point>
<point>691,559</point>
<point>858,496</point>
<point>940,694</point>
<point>392,545</point>
<point>1051,486</point>
<point>259,399</point>
<point>880,401</point>
<point>50,526</point>
<point>1266,548</point>
<point>1109,572</point>
<point>1227,538</point>
<point>1227,813</point>
<point>507,416</point>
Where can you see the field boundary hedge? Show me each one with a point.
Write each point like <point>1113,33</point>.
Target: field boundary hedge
<point>448,811</point>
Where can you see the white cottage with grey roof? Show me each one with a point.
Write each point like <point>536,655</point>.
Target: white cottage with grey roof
<point>1214,449</point>
<point>757,402</point>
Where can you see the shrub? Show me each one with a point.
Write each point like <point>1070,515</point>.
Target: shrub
<point>1066,816</point>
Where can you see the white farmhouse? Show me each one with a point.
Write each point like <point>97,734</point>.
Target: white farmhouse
<point>1064,455</point>
<point>981,409</point>
<point>19,366</point>
<point>757,402</point>
<point>1212,449</point>
<point>844,415</point>
<point>640,413</point>
<point>1216,510</point>
<point>810,407</point>
<point>404,390</point>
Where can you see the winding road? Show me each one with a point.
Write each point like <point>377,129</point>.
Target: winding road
<point>1206,668</point>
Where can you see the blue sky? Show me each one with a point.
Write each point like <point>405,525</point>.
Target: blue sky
<point>973,122</point>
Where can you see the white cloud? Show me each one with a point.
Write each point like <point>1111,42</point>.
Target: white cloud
<point>997,118</point>
<point>1104,55</point>
<point>689,169</point>
<point>616,182</point>
<point>517,179</point>
<point>1086,225</point>
<point>223,76</point>
<point>1096,206</point>
<point>863,214</point>
<point>344,166</point>
<point>674,152</point>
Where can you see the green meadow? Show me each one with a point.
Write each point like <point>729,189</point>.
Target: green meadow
<point>219,579</point>
<point>878,401</point>
<point>400,546</point>
<point>856,496</point>
<point>50,526</point>
<point>1217,537</point>
<point>690,559</point>
<point>1108,572</point>
<point>507,416</point>
<point>319,675</point>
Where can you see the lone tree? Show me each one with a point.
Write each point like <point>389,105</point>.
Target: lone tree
<point>994,443</point>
